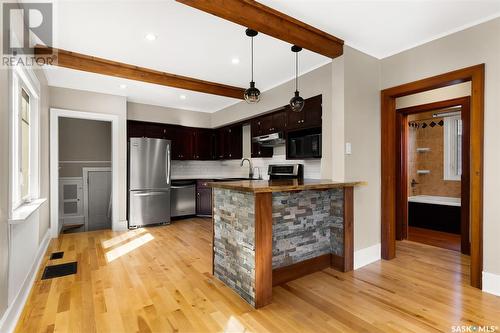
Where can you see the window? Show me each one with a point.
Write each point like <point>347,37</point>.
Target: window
<point>453,148</point>
<point>24,136</point>
<point>24,172</point>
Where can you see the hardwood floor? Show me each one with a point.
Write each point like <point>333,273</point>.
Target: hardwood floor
<point>444,240</point>
<point>157,280</point>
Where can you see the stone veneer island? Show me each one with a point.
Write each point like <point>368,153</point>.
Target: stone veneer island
<point>270,232</point>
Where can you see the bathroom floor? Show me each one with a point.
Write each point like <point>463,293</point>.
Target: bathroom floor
<point>435,238</point>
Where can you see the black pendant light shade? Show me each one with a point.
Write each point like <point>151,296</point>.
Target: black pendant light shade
<point>252,94</point>
<point>297,103</point>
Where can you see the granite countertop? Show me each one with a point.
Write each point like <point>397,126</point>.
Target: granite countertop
<point>283,185</point>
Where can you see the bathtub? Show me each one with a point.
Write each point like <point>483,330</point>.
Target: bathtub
<point>435,213</point>
<point>435,200</point>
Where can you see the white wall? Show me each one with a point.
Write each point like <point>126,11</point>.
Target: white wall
<point>435,95</point>
<point>362,130</point>
<point>476,45</point>
<point>78,100</point>
<point>158,114</point>
<point>4,188</point>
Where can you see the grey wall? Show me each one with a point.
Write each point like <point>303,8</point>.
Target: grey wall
<point>153,113</point>
<point>476,45</point>
<point>83,140</point>
<point>316,82</point>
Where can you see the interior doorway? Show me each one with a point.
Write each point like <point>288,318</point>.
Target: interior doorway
<point>393,159</point>
<point>434,189</point>
<point>84,174</point>
<point>82,183</point>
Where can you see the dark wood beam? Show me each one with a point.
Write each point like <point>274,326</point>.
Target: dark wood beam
<point>254,15</point>
<point>97,65</point>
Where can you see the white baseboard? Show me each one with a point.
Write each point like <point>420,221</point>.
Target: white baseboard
<point>120,226</point>
<point>491,283</point>
<point>11,316</point>
<point>366,256</point>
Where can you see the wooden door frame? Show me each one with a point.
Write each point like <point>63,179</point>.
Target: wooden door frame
<point>390,154</point>
<point>402,169</point>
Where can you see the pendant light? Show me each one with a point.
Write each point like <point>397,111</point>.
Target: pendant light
<point>252,94</point>
<point>297,102</point>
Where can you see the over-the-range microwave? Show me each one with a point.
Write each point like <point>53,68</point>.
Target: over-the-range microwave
<point>307,146</point>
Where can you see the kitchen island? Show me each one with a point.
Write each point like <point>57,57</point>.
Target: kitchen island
<point>269,232</point>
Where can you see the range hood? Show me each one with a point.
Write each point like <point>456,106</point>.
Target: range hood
<point>270,140</point>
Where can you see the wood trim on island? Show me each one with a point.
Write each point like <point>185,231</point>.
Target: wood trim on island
<point>343,263</point>
<point>263,249</point>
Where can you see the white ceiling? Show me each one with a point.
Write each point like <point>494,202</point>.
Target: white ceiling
<point>384,28</point>
<point>192,43</point>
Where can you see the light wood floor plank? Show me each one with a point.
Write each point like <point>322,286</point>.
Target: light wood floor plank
<point>158,280</point>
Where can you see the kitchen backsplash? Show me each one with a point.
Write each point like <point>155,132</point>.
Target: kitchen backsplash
<point>232,168</point>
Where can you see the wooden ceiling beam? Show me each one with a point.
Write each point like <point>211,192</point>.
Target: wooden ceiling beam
<point>97,65</point>
<point>256,16</point>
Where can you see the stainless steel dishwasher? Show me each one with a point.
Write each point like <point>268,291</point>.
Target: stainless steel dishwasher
<point>183,198</point>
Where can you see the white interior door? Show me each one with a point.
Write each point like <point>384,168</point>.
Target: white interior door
<point>99,200</point>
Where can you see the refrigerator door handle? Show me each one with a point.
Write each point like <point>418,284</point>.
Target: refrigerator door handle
<point>148,194</point>
<point>168,164</point>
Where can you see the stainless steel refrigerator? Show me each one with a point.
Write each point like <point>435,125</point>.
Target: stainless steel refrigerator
<point>149,182</point>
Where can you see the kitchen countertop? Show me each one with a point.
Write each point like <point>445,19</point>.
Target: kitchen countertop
<point>217,178</point>
<point>283,185</point>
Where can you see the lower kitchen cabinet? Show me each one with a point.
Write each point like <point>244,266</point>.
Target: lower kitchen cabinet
<point>203,198</point>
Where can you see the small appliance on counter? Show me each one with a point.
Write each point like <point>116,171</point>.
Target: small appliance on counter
<point>149,182</point>
<point>285,171</point>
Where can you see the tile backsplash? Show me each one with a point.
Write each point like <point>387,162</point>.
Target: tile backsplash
<point>232,168</point>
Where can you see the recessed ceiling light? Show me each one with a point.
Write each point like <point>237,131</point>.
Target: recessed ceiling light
<point>182,96</point>
<point>123,86</point>
<point>235,61</point>
<point>151,37</point>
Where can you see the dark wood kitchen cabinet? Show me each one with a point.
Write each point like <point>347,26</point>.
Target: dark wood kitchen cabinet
<point>203,198</point>
<point>309,117</point>
<point>182,139</point>
<point>230,142</point>
<point>203,144</point>
<point>269,123</point>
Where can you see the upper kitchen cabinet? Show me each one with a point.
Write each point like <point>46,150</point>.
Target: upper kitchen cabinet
<point>269,123</point>
<point>182,142</point>
<point>230,142</point>
<point>135,129</point>
<point>204,144</point>
<point>309,117</point>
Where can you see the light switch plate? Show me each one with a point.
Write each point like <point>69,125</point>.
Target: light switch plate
<point>348,148</point>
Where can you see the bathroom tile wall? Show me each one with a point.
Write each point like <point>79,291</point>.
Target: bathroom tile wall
<point>432,137</point>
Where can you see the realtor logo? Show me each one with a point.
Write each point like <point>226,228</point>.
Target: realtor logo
<point>24,26</point>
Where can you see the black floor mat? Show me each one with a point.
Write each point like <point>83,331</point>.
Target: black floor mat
<point>59,270</point>
<point>56,255</point>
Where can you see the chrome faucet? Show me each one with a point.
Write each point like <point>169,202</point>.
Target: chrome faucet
<point>250,167</point>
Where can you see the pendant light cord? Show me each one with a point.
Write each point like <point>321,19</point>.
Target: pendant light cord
<point>296,71</point>
<point>252,58</point>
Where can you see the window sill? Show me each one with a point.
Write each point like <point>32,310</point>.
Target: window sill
<point>23,212</point>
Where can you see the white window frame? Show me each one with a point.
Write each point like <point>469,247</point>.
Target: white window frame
<point>23,78</point>
<point>450,164</point>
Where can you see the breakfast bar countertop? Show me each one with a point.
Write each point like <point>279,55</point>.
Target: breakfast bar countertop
<point>283,185</point>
